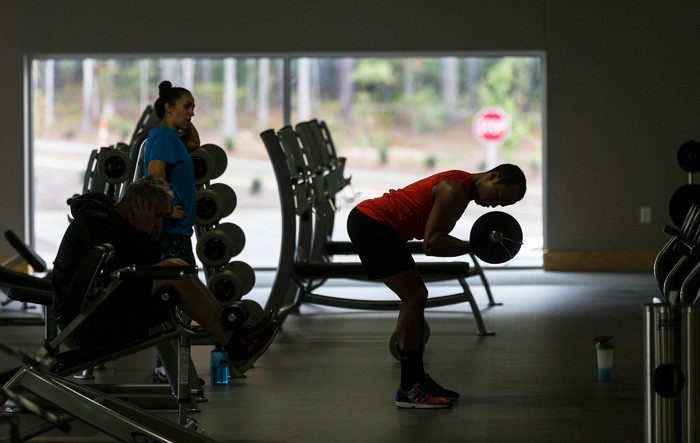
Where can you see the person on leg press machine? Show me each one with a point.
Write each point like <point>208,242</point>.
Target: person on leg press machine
<point>132,226</point>
<point>427,209</point>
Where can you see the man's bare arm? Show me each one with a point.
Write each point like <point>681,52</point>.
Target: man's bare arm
<point>449,203</point>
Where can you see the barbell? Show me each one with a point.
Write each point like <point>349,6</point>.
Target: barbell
<point>496,237</point>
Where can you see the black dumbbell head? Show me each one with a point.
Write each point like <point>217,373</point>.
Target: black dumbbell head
<point>496,237</point>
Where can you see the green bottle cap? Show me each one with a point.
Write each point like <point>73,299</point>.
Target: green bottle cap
<point>603,342</point>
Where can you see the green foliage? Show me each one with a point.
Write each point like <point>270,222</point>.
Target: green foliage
<point>394,101</point>
<point>256,185</point>
<point>376,77</point>
<point>229,143</point>
<point>509,84</point>
<point>430,161</point>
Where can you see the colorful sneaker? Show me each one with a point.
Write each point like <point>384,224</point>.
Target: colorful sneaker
<point>421,396</point>
<point>441,392</point>
<point>253,342</point>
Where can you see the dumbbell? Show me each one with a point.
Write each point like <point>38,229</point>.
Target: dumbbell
<point>242,314</point>
<point>394,340</point>
<point>496,237</point>
<point>209,162</point>
<point>681,201</point>
<point>232,283</point>
<point>214,203</point>
<point>216,247</point>
<point>689,156</point>
<point>113,165</point>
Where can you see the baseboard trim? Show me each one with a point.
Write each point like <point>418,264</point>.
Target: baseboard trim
<point>614,261</point>
<point>22,267</point>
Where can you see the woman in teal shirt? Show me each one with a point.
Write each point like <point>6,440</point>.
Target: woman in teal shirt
<point>167,157</point>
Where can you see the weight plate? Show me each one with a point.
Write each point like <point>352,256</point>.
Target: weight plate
<point>496,237</point>
<point>204,166</point>
<point>219,156</point>
<point>680,202</point>
<point>255,313</point>
<point>394,346</point>
<point>689,156</point>
<point>235,316</point>
<point>214,248</point>
<point>210,207</point>
<point>235,233</point>
<point>228,196</point>
<point>245,273</point>
<point>226,287</point>
<point>394,340</point>
<point>113,165</point>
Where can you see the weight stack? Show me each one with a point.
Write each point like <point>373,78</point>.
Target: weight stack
<point>671,373</point>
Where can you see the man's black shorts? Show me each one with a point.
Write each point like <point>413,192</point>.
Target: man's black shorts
<point>381,251</point>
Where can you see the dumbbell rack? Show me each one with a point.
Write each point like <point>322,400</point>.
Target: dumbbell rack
<point>688,157</point>
<point>112,168</point>
<point>672,322</point>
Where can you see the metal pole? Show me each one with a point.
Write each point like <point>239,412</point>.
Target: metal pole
<point>664,380</point>
<point>691,368</point>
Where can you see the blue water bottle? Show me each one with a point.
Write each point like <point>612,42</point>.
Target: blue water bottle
<point>219,365</point>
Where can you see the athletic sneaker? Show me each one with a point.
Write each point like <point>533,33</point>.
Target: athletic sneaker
<point>442,392</point>
<point>421,396</point>
<point>252,342</point>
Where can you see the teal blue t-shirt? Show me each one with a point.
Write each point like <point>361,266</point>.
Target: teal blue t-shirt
<point>164,144</point>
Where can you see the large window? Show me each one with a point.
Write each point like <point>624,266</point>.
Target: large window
<point>396,119</point>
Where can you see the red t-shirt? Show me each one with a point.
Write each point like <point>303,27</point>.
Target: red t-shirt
<point>406,210</point>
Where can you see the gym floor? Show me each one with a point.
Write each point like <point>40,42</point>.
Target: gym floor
<point>329,375</point>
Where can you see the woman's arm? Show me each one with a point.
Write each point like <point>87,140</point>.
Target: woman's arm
<point>192,137</point>
<point>156,168</point>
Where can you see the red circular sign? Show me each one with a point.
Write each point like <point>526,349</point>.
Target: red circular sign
<point>491,126</point>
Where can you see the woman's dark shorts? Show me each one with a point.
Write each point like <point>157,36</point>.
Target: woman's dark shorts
<point>177,246</point>
<point>380,249</point>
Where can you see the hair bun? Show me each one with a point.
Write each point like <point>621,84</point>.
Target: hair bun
<point>164,87</point>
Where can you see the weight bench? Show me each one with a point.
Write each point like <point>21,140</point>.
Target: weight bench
<point>306,208</point>
<point>30,257</point>
<point>29,289</point>
<point>106,412</point>
<point>416,248</point>
<point>318,149</point>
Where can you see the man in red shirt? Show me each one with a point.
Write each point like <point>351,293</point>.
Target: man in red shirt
<point>425,210</point>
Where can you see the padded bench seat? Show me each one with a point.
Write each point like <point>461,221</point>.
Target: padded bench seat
<point>415,248</point>
<point>429,271</point>
<point>347,248</point>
